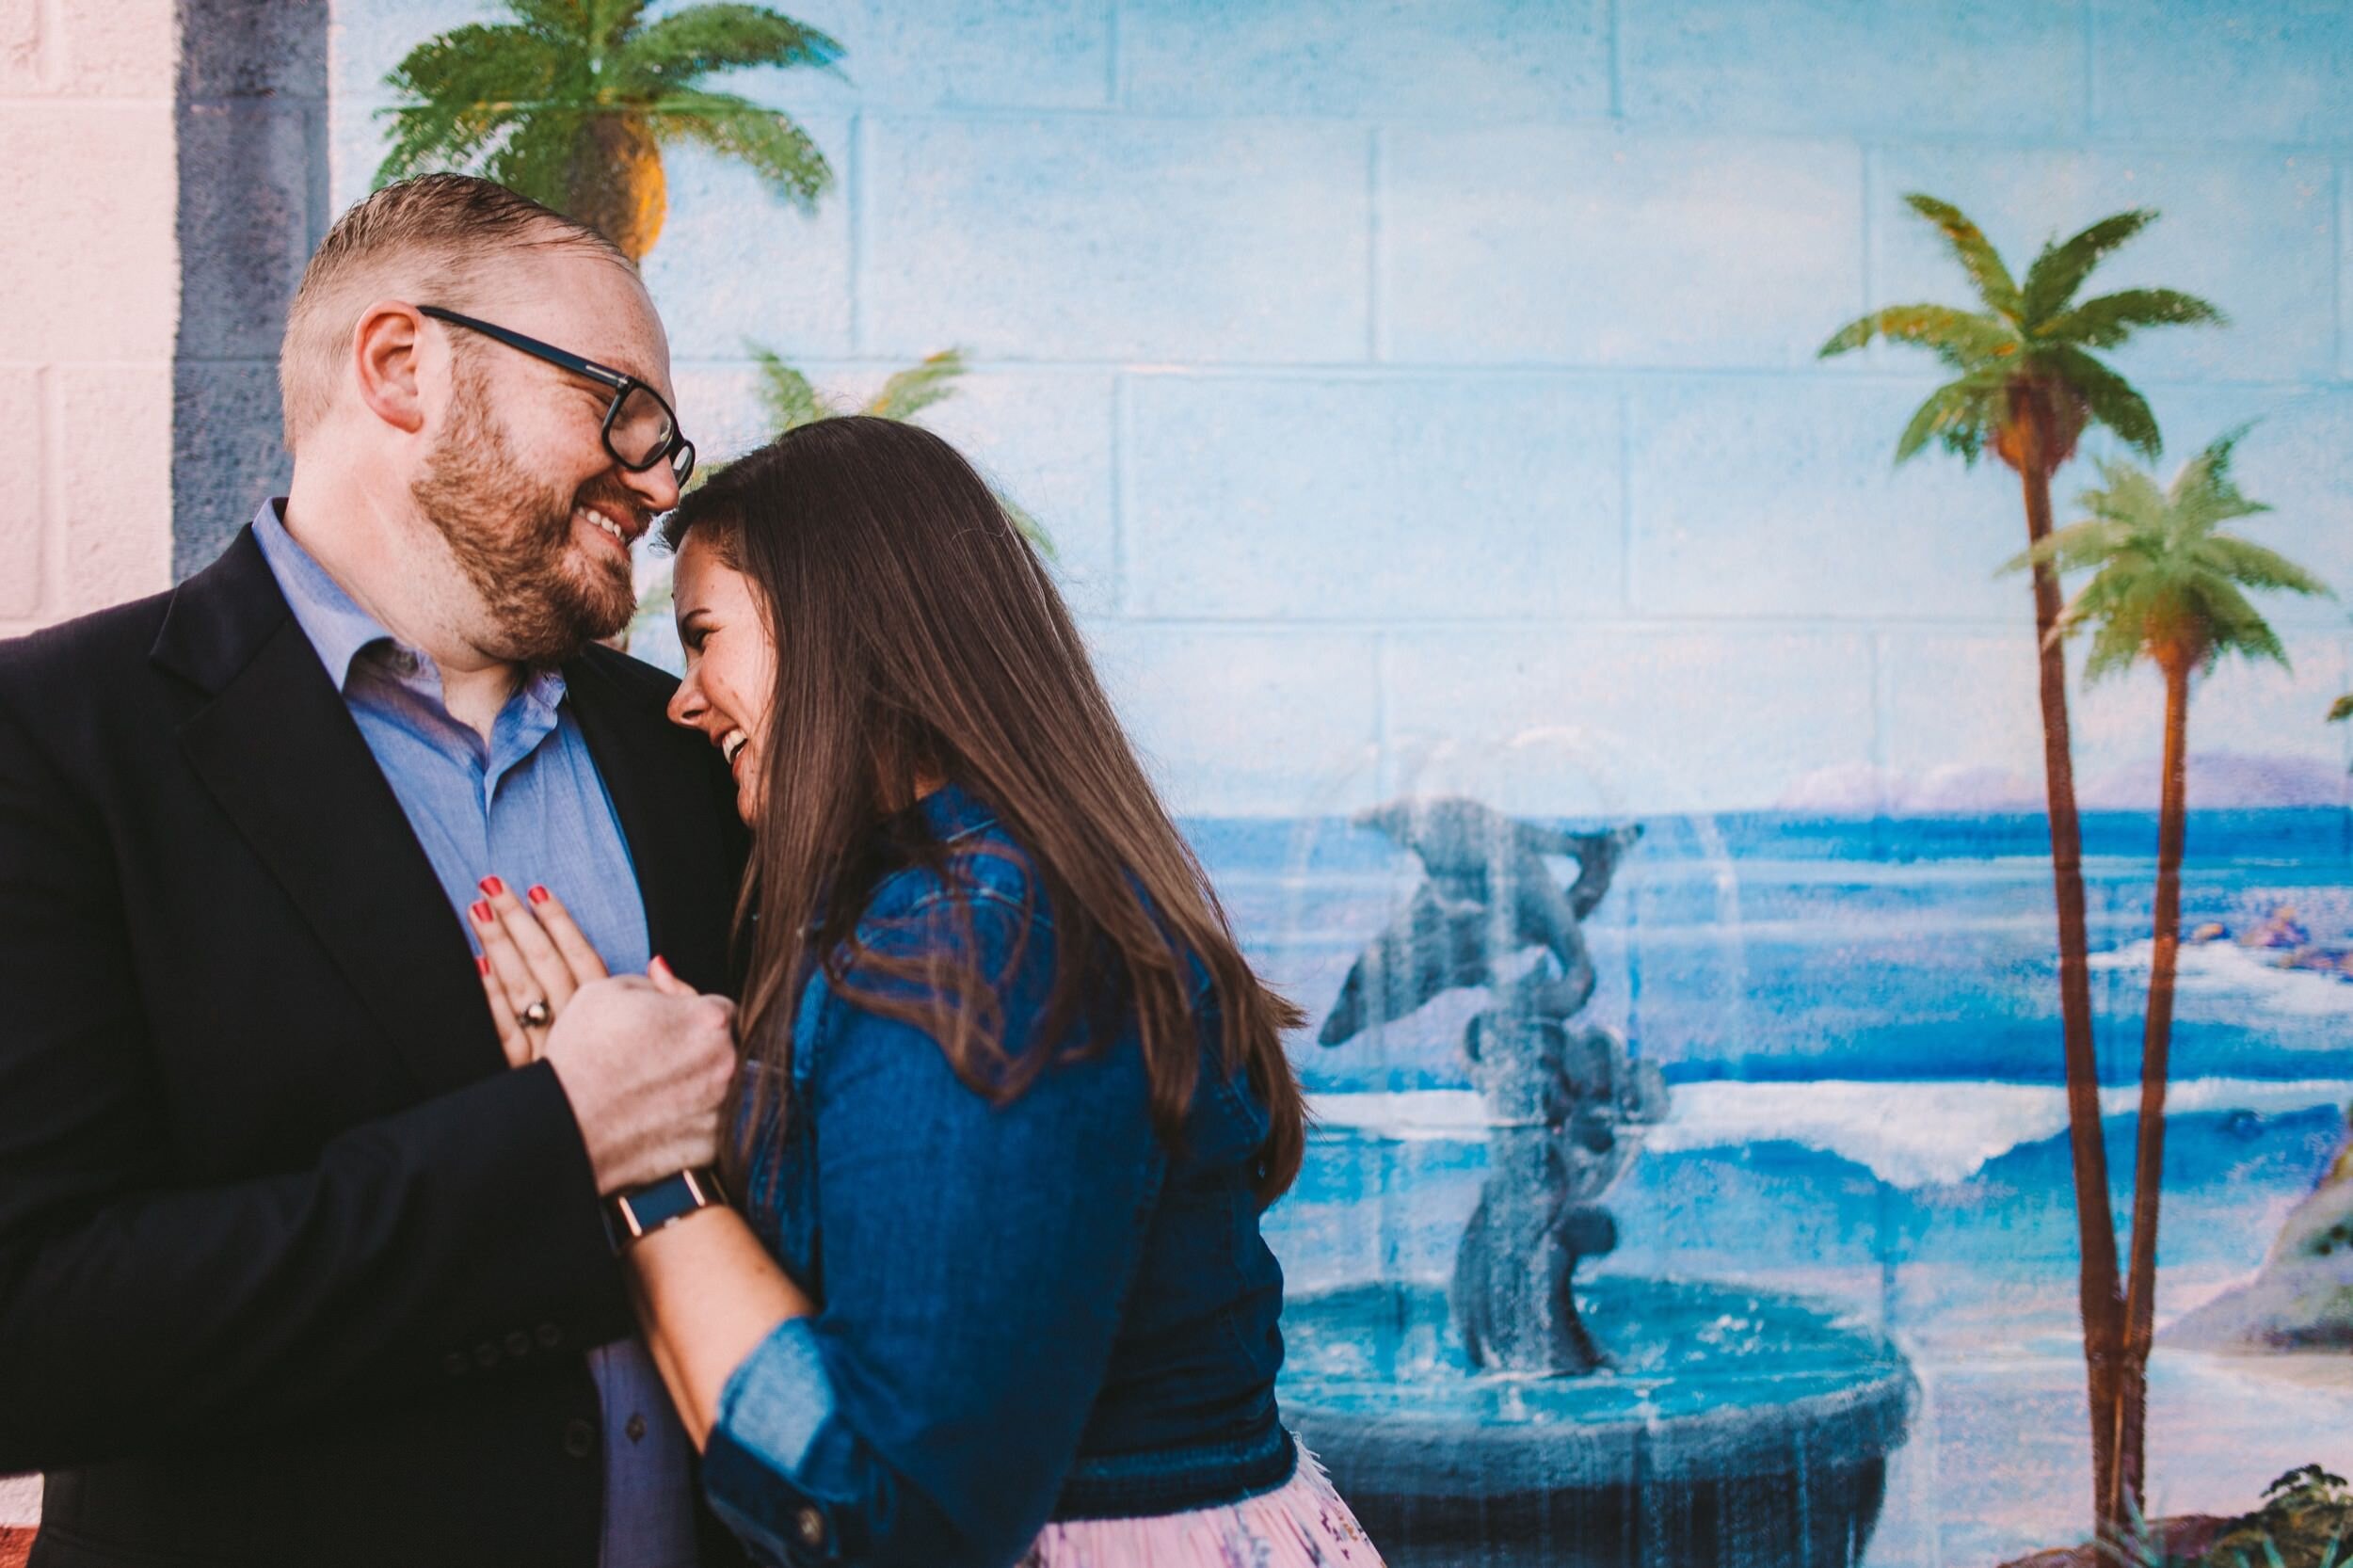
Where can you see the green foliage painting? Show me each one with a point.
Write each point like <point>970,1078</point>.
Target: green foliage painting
<point>572,103</point>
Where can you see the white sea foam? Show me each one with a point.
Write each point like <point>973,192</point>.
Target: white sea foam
<point>1908,1134</point>
<point>2227,970</point>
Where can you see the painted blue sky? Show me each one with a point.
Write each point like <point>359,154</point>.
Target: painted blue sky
<point>1445,370</point>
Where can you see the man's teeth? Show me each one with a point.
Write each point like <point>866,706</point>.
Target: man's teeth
<point>606,523</point>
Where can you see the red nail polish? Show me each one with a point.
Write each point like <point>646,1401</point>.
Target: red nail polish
<point>482,912</point>
<point>482,965</point>
<point>492,885</point>
<point>539,894</point>
<point>663,964</point>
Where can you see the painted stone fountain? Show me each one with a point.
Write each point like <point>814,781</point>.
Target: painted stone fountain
<point>1519,1414</point>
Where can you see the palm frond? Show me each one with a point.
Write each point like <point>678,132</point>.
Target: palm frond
<point>535,156</point>
<point>1960,414</point>
<point>785,394</point>
<point>2077,545</point>
<point>909,392</point>
<point>586,27</point>
<point>2105,322</point>
<point>735,127</point>
<point>681,48</point>
<point>1966,340</point>
<point>2108,396</point>
<point>1975,252</point>
<point>2163,584</point>
<point>2062,267</point>
<point>2231,624</point>
<point>2254,565</point>
<point>462,91</point>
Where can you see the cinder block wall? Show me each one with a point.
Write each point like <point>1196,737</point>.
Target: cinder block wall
<point>88,312</point>
<point>1448,367</point>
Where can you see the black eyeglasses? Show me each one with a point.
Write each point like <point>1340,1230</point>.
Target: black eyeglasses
<point>639,428</point>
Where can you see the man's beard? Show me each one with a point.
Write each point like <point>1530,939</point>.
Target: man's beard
<point>511,535</point>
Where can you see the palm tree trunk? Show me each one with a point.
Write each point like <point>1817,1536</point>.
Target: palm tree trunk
<point>2100,1299</point>
<point>2140,1297</point>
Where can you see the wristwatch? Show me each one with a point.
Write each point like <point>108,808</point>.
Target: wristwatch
<point>646,1210</point>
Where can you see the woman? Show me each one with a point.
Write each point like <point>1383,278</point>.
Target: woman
<point>1013,1099</point>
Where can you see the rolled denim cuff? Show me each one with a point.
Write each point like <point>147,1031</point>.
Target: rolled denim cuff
<point>774,1403</point>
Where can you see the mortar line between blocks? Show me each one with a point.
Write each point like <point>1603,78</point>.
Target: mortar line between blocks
<point>1617,58</point>
<point>2091,69</point>
<point>1625,500</point>
<point>49,601</point>
<point>48,44</point>
<point>1121,423</point>
<point>2336,243</point>
<point>1373,313</point>
<point>1114,91</point>
<point>854,176</point>
<point>1870,284</point>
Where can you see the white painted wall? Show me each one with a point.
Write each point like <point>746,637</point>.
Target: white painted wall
<point>88,184</point>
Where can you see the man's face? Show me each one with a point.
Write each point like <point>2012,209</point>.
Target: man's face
<point>519,480</point>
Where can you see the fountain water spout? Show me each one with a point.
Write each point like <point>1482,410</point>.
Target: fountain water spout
<point>1562,1097</point>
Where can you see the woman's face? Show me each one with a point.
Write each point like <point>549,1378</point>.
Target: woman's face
<point>730,665</point>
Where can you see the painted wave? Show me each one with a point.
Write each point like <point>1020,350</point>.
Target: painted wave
<point>1909,1135</point>
<point>2255,974</point>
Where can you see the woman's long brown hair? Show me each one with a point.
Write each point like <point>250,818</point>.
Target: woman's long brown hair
<point>916,632</point>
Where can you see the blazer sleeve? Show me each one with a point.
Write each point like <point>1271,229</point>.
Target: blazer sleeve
<point>136,1310</point>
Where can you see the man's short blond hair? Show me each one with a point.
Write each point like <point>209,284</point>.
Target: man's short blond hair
<point>433,239</point>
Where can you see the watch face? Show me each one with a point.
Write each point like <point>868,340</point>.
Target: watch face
<point>649,1208</point>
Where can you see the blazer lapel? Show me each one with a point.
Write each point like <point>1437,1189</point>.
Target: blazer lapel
<point>280,751</point>
<point>661,781</point>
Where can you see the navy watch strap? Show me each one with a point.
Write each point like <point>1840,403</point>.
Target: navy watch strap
<point>646,1210</point>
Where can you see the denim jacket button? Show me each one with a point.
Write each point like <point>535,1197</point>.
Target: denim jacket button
<point>580,1439</point>
<point>812,1526</point>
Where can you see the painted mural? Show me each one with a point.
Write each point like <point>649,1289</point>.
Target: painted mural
<point>1751,636</point>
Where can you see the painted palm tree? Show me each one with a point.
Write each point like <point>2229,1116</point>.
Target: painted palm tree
<point>2027,380</point>
<point>790,400</point>
<point>572,103</point>
<point>2167,586</point>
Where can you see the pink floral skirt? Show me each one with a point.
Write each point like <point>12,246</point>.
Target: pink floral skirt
<point>1300,1524</point>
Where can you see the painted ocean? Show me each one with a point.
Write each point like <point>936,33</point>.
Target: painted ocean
<point>1858,1021</point>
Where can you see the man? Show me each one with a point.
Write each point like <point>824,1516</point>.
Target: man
<point>294,1267</point>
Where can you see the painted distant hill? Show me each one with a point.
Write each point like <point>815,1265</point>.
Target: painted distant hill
<point>2219,780</point>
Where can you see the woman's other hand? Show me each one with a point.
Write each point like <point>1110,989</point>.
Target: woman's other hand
<point>534,958</point>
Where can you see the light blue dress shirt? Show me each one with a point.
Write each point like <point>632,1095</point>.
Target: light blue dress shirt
<point>529,807</point>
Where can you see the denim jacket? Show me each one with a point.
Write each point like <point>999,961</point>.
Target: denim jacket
<point>1028,1312</point>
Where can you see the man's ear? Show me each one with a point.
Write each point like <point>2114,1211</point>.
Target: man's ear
<point>386,348</point>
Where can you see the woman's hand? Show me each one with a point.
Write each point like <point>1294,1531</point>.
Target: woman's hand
<point>532,954</point>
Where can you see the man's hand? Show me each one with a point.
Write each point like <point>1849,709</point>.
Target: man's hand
<point>646,1065</point>
<point>645,1060</point>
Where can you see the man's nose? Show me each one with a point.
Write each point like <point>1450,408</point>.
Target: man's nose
<point>657,487</point>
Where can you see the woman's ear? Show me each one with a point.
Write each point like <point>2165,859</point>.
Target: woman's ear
<point>387,346</point>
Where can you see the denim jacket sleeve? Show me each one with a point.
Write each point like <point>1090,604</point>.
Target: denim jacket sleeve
<point>975,1262</point>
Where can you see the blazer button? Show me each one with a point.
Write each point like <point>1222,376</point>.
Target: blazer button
<point>455,1363</point>
<point>519,1344</point>
<point>810,1525</point>
<point>550,1336</point>
<point>580,1439</point>
<point>487,1355</point>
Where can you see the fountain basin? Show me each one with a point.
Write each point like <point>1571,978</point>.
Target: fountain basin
<point>1730,1427</point>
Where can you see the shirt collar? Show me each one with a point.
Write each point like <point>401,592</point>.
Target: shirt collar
<point>331,618</point>
<point>338,628</point>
